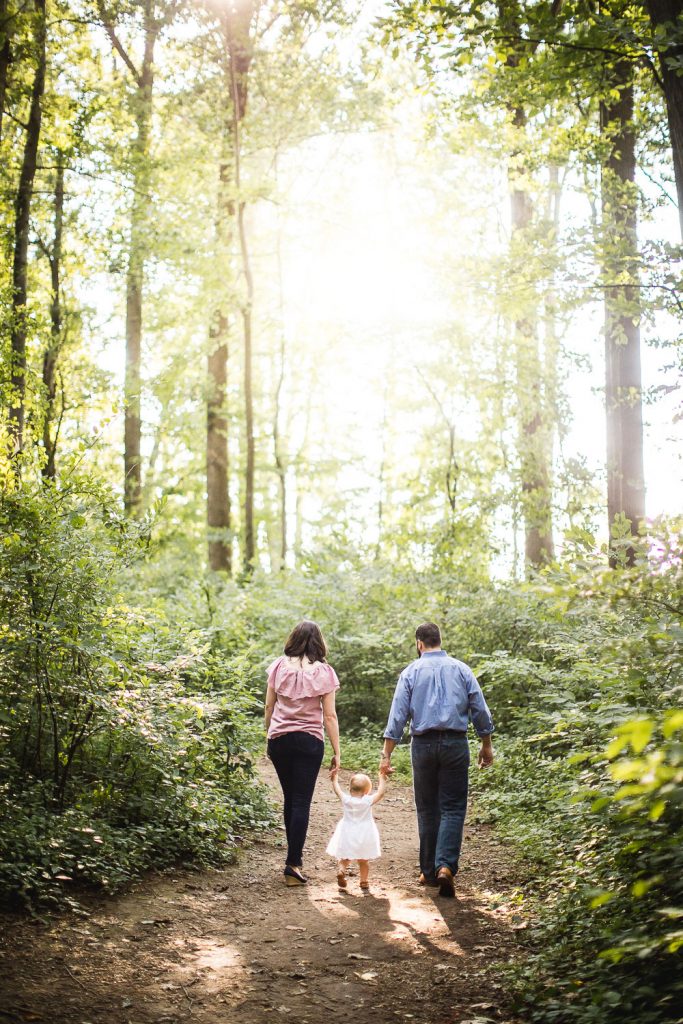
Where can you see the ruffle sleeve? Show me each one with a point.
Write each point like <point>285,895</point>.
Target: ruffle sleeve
<point>295,681</point>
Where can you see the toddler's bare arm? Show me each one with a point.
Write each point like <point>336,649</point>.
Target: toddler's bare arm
<point>381,790</point>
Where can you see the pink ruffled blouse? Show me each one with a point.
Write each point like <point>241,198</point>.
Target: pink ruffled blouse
<point>300,685</point>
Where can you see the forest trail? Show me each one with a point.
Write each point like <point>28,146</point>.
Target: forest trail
<point>237,947</point>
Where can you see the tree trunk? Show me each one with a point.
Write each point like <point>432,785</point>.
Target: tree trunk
<point>22,214</point>
<point>218,511</point>
<point>239,45</point>
<point>56,328</point>
<point>217,466</point>
<point>132,458</point>
<point>300,486</point>
<point>662,13</point>
<point>534,430</point>
<point>278,453</point>
<point>623,385</point>
<point>533,426</point>
<point>280,460</point>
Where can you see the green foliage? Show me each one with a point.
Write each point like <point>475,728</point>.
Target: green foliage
<point>124,744</point>
<point>589,788</point>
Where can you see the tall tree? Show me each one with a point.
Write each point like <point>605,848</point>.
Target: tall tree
<point>623,384</point>
<point>142,77</point>
<point>218,511</point>
<point>239,20</point>
<point>22,214</point>
<point>51,353</point>
<point>535,432</point>
<point>236,21</point>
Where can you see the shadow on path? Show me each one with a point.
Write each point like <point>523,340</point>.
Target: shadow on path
<point>237,947</point>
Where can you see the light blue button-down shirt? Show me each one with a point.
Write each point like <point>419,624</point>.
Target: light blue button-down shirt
<point>437,692</point>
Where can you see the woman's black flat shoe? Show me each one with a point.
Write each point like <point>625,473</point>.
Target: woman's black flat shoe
<point>294,877</point>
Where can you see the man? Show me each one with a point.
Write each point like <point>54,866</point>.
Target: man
<point>440,696</point>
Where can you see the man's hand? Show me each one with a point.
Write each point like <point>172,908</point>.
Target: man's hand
<point>385,768</point>
<point>485,753</point>
<point>335,765</point>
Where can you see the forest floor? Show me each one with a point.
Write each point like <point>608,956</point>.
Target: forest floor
<point>236,946</point>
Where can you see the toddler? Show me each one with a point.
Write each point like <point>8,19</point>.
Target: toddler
<point>356,836</point>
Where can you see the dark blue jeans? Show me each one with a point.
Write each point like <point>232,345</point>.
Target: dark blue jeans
<point>440,775</point>
<point>297,757</point>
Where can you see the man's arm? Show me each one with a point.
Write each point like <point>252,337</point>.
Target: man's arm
<point>398,716</point>
<point>481,718</point>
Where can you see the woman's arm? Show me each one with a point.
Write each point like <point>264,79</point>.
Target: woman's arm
<point>332,728</point>
<point>271,697</point>
<point>381,789</point>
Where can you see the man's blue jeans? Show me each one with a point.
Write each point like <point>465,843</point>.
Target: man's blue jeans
<point>440,775</point>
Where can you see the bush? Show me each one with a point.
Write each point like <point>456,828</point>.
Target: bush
<point>126,742</point>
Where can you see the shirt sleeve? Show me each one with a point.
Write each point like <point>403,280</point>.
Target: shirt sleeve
<point>400,709</point>
<point>478,708</point>
<point>272,672</point>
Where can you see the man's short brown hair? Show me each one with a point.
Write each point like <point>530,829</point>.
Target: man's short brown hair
<point>429,633</point>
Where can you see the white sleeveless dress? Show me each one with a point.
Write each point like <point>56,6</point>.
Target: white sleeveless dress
<point>356,836</point>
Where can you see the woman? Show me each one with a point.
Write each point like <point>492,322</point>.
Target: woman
<point>299,699</point>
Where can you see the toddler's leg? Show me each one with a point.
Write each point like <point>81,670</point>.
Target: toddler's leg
<point>363,871</point>
<point>342,868</point>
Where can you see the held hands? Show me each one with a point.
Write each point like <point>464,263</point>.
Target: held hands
<point>385,768</point>
<point>335,765</point>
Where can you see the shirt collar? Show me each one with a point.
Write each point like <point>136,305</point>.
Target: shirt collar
<point>433,654</point>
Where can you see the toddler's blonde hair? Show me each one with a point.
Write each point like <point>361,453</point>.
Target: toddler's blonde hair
<point>359,783</point>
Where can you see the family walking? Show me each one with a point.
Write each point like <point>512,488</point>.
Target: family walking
<point>436,693</point>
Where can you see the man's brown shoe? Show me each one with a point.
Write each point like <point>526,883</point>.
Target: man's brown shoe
<point>444,879</point>
<point>424,880</point>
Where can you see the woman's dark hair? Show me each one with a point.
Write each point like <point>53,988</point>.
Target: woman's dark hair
<point>306,639</point>
<point>429,634</point>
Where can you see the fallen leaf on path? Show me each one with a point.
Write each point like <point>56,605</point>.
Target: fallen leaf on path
<point>358,956</point>
<point>366,975</point>
<point>295,928</point>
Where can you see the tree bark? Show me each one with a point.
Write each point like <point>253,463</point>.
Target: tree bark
<point>51,354</point>
<point>534,428</point>
<point>280,460</point>
<point>663,13</point>
<point>535,432</point>
<point>142,107</point>
<point>22,215</point>
<point>623,384</point>
<point>217,465</point>
<point>278,452</point>
<point>239,45</point>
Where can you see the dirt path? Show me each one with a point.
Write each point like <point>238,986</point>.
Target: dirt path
<point>235,946</point>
